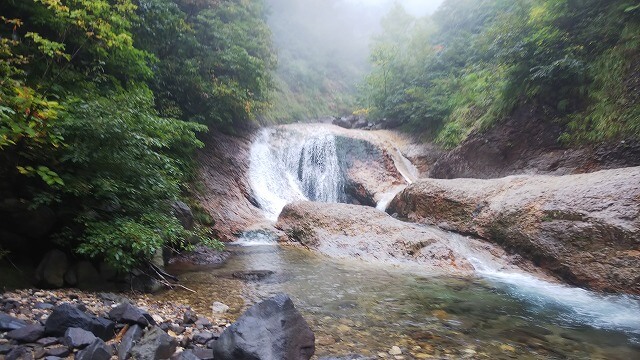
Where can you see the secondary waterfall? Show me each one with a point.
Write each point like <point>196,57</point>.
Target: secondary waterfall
<point>287,167</point>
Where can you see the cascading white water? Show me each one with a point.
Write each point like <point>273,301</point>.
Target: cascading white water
<point>287,167</point>
<point>573,305</point>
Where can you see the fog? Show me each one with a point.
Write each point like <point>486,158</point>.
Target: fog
<point>323,50</point>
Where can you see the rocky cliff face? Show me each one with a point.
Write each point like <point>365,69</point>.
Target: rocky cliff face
<point>224,164</point>
<point>584,228</point>
<point>350,231</point>
<point>527,143</point>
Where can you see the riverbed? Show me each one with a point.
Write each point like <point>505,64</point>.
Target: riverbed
<point>356,307</point>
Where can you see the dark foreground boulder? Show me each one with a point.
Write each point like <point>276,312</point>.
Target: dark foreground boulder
<point>270,330</point>
<point>155,344</point>
<point>67,316</point>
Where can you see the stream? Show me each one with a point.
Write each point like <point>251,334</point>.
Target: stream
<point>363,308</point>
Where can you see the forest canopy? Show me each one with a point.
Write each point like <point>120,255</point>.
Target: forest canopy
<point>473,62</point>
<point>101,102</point>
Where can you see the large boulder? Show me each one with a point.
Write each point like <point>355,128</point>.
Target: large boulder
<point>350,231</point>
<point>584,228</point>
<point>272,329</point>
<point>51,270</point>
<point>66,316</point>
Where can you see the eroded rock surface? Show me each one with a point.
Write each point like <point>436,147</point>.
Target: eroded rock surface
<point>584,228</point>
<point>350,231</point>
<point>224,165</point>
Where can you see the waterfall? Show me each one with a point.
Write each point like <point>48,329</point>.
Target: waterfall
<point>287,166</point>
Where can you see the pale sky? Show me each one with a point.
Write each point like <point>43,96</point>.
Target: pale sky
<point>416,7</point>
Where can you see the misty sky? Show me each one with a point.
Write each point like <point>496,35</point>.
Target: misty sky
<point>416,7</point>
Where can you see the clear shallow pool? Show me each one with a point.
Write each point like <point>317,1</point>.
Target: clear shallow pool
<point>361,308</point>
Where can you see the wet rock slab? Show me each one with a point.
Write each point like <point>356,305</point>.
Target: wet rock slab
<point>585,228</point>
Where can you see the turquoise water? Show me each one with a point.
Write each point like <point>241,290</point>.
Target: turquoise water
<point>361,308</point>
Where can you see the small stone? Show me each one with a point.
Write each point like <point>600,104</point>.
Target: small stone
<point>78,338</point>
<point>203,321</point>
<point>8,323</point>
<point>39,352</point>
<point>155,344</point>
<point>219,308</point>
<point>20,352</point>
<point>60,351</point>
<point>48,341</point>
<point>98,350</point>
<point>189,317</point>
<point>157,318</point>
<point>127,313</point>
<point>395,351</point>
<point>505,347</point>
<point>130,337</point>
<point>177,328</point>
<point>203,354</point>
<point>5,349</point>
<point>202,338</point>
<point>27,334</point>
<point>44,306</point>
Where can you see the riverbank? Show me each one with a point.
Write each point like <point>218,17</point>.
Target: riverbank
<point>190,331</point>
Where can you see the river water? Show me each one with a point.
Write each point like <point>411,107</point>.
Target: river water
<point>360,308</point>
<point>356,307</point>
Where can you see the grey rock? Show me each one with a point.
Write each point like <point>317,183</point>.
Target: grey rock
<point>203,354</point>
<point>184,214</point>
<point>127,313</point>
<point>8,323</point>
<point>271,329</point>
<point>78,338</point>
<point>19,353</point>
<point>155,344</point>
<point>67,316</point>
<point>44,306</point>
<point>344,230</point>
<point>59,351</point>
<point>98,350</point>
<point>88,277</point>
<point>27,334</point>
<point>51,270</point>
<point>202,338</point>
<point>584,228</point>
<point>47,341</point>
<point>5,348</point>
<point>185,355</point>
<point>71,276</point>
<point>128,340</point>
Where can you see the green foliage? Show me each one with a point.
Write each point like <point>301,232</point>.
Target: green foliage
<point>214,58</point>
<point>95,98</point>
<point>473,62</point>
